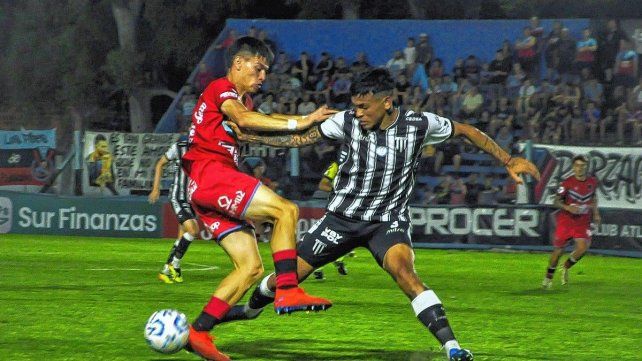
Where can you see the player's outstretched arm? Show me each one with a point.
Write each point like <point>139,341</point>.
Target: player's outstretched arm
<point>514,165</point>
<point>158,171</point>
<point>294,140</point>
<point>247,119</point>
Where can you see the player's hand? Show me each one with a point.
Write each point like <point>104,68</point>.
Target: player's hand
<point>240,135</point>
<point>322,113</point>
<point>516,166</point>
<point>153,196</point>
<point>573,209</point>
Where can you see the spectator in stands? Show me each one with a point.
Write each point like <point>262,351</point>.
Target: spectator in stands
<point>504,139</point>
<point>586,51</point>
<point>473,187</point>
<point>629,117</point>
<point>578,125</point>
<point>436,69</point>
<point>459,72</point>
<point>306,106</point>
<point>203,77</point>
<point>282,64</point>
<point>526,91</point>
<point>303,67</point>
<point>499,70</point>
<point>417,99</point>
<point>533,126</point>
<point>507,50</point>
<point>608,47</point>
<point>322,89</point>
<point>636,96</point>
<point>402,89</point>
<point>272,83</point>
<point>458,191</point>
<point>593,91</point>
<point>187,104</point>
<point>514,81</point>
<point>360,65</point>
<point>488,193</point>
<point>472,69</point>
<point>285,106</point>
<point>508,192</point>
<point>552,133</point>
<point>625,70</point>
<point>567,47</point>
<point>268,106</point>
<point>472,103</point>
<point>325,64</point>
<point>592,116</point>
<point>448,86</point>
<point>538,32</point>
<point>263,36</point>
<point>396,64</point>
<point>424,51</point>
<point>340,91</point>
<point>232,35</point>
<point>527,52</point>
<point>551,52</point>
<point>340,67</point>
<point>410,56</point>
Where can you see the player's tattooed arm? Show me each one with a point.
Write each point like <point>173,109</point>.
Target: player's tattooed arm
<point>294,140</point>
<point>514,165</point>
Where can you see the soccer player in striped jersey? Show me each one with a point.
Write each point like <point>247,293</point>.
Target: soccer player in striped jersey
<point>188,226</point>
<point>368,206</point>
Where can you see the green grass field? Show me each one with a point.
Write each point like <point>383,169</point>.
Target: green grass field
<point>79,298</point>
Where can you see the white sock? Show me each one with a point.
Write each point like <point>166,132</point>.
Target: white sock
<point>176,262</point>
<point>452,344</point>
<point>188,236</point>
<point>263,287</point>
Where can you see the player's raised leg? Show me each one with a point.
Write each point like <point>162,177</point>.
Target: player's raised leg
<point>399,263</point>
<point>267,205</point>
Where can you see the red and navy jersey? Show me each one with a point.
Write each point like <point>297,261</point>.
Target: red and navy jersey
<point>578,193</point>
<point>208,137</point>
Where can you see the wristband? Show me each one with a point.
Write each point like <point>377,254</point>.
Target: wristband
<point>508,161</point>
<point>292,123</point>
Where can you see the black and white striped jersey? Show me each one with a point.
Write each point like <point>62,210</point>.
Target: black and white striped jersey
<point>174,154</point>
<point>376,178</point>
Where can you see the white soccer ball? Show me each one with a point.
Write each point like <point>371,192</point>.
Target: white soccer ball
<point>167,331</point>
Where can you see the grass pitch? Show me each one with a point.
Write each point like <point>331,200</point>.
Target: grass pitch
<point>80,298</point>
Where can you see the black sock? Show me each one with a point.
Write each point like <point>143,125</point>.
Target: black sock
<point>258,300</point>
<point>172,252</point>
<point>205,322</point>
<point>570,262</point>
<point>434,318</point>
<point>182,246</point>
<point>549,272</point>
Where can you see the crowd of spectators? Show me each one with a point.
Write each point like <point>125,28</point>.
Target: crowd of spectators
<point>547,86</point>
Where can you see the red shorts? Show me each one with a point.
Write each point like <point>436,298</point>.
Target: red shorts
<point>220,195</point>
<point>565,231</point>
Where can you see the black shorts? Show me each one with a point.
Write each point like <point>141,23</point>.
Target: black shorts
<point>334,236</point>
<point>180,205</point>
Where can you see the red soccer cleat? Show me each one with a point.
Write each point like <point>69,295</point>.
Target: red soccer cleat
<point>295,299</point>
<point>202,344</point>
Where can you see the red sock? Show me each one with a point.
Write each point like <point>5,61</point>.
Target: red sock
<point>216,307</point>
<point>285,266</point>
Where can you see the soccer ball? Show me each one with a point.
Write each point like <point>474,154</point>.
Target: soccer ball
<point>167,331</point>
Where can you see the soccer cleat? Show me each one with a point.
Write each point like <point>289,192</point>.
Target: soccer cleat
<point>295,299</point>
<point>318,275</point>
<point>460,354</point>
<point>165,278</point>
<point>202,344</point>
<point>352,254</point>
<point>547,283</point>
<point>176,274</point>
<point>564,278</point>
<point>341,268</point>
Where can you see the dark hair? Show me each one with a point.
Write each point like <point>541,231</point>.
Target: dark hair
<point>99,137</point>
<point>580,157</point>
<point>373,82</point>
<point>250,46</point>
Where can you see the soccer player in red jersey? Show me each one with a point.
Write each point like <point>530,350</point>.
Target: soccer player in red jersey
<point>225,198</point>
<point>577,202</point>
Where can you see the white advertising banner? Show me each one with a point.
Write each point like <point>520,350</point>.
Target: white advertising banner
<point>619,170</point>
<point>119,162</point>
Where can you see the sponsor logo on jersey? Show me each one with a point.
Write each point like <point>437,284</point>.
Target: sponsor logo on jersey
<point>214,226</point>
<point>229,94</point>
<point>331,235</point>
<point>413,119</point>
<point>191,188</point>
<point>199,113</point>
<point>230,204</point>
<point>394,228</point>
<point>401,143</point>
<point>318,246</point>
<point>381,151</point>
<point>6,214</point>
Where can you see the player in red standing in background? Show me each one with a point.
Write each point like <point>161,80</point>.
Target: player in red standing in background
<point>224,197</point>
<point>577,202</point>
